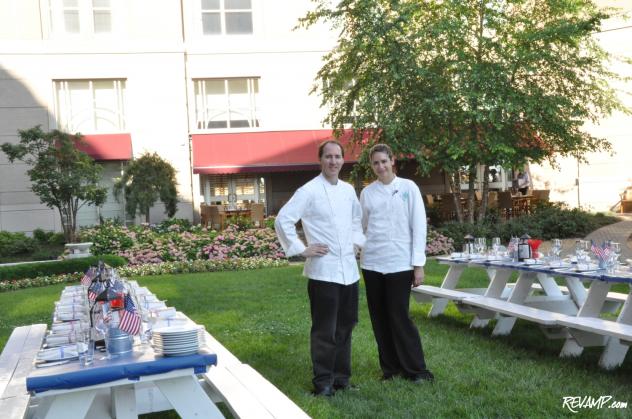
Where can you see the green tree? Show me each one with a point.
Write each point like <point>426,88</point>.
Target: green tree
<point>62,176</point>
<point>145,181</point>
<point>461,83</point>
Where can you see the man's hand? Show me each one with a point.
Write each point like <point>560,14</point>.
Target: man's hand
<point>419,275</point>
<point>315,249</point>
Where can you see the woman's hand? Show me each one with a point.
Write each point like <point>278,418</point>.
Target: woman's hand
<point>418,276</point>
<point>315,249</point>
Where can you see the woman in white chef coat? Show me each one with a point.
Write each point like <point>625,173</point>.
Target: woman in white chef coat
<point>393,259</point>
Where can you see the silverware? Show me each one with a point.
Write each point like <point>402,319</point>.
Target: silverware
<point>52,364</point>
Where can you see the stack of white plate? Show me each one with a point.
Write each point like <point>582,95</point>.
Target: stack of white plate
<point>177,340</point>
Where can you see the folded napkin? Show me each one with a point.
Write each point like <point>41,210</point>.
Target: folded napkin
<point>175,321</point>
<point>60,353</point>
<point>66,316</point>
<point>60,339</point>
<point>154,305</point>
<point>164,313</point>
<point>142,291</point>
<point>71,325</point>
<point>585,267</point>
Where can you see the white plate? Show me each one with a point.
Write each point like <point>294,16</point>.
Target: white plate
<point>179,352</point>
<point>171,345</point>
<point>168,349</point>
<point>170,330</point>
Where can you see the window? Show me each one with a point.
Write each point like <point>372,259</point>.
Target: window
<point>228,17</point>
<point>90,106</point>
<point>226,103</point>
<point>76,17</point>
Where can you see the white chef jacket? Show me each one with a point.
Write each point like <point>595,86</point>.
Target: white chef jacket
<point>331,215</point>
<point>394,221</point>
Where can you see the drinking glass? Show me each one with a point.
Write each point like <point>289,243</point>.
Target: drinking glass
<point>580,250</point>
<point>495,245</point>
<point>481,245</point>
<point>615,248</point>
<point>556,249</point>
<point>85,347</point>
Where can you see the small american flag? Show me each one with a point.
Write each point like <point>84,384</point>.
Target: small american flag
<point>95,290</point>
<point>129,319</point>
<point>87,277</point>
<point>602,253</point>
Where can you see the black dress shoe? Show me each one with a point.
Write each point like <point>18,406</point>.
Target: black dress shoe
<point>343,387</point>
<point>326,391</point>
<point>425,376</point>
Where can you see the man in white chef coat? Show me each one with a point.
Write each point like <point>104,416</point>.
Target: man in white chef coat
<point>331,216</point>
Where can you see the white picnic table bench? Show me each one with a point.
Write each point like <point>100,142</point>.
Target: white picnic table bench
<point>245,392</point>
<point>570,312</point>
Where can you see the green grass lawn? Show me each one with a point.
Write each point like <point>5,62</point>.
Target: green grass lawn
<point>262,317</point>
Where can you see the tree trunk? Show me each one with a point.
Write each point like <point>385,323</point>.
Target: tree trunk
<point>147,217</point>
<point>484,196</point>
<point>471,178</point>
<point>455,186</point>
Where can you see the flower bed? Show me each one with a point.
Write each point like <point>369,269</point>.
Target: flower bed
<point>178,241</point>
<point>235,264</point>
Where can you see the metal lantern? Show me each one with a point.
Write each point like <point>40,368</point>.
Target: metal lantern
<point>524,250</point>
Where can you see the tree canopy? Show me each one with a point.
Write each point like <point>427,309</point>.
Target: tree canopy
<point>458,83</point>
<point>62,176</point>
<point>146,180</point>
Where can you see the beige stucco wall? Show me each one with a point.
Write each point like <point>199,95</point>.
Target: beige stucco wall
<point>148,50</point>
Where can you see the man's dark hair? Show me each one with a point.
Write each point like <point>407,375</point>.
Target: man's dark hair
<point>321,147</point>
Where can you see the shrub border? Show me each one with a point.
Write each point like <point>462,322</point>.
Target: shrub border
<point>166,268</point>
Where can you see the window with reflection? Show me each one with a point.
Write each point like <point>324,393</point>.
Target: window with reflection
<point>226,103</point>
<point>90,106</point>
<point>81,17</point>
<point>226,17</point>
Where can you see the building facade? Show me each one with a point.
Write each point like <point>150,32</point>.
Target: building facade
<point>219,88</point>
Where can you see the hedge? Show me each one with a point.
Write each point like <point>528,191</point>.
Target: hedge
<point>58,267</point>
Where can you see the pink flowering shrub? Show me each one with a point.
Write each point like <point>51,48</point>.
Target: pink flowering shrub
<point>437,243</point>
<point>181,242</point>
<point>235,243</point>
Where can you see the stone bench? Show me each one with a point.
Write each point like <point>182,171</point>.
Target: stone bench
<point>78,250</point>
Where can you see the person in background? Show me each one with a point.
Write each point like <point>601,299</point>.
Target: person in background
<point>393,259</point>
<point>331,216</point>
<point>493,175</point>
<point>523,182</point>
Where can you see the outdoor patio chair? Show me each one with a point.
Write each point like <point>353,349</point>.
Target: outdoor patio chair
<point>205,214</point>
<point>257,214</point>
<point>218,217</point>
<point>505,204</point>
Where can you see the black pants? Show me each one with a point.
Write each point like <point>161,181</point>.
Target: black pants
<point>397,337</point>
<point>334,310</point>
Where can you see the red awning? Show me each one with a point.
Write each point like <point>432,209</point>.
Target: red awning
<point>262,152</point>
<point>107,146</point>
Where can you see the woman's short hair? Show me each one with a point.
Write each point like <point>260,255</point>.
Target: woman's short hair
<point>322,145</point>
<point>381,148</point>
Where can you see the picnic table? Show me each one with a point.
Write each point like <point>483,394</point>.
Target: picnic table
<point>138,383</point>
<point>570,312</point>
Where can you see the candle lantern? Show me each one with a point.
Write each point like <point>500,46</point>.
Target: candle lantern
<point>524,250</point>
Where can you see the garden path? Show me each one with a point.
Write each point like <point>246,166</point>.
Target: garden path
<point>619,232</point>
